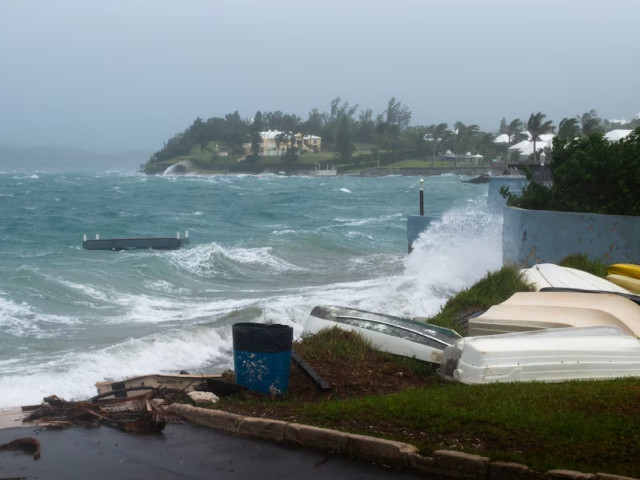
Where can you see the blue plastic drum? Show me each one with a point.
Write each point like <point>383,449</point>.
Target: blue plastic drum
<point>262,356</point>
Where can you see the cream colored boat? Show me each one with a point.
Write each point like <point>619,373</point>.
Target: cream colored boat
<point>540,310</point>
<point>629,283</point>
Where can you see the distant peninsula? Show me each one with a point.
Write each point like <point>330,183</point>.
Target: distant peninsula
<point>350,139</point>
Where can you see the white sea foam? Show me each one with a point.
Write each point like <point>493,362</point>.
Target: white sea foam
<point>360,221</point>
<point>73,376</point>
<point>162,309</point>
<point>215,260</point>
<point>452,254</point>
<point>21,320</point>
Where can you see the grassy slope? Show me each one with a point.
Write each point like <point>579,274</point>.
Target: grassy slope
<point>589,426</point>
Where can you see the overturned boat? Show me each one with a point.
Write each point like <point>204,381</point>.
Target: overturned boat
<point>550,275</point>
<point>387,333</point>
<point>539,310</point>
<point>553,355</point>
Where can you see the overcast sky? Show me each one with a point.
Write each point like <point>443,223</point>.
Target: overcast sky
<point>129,74</point>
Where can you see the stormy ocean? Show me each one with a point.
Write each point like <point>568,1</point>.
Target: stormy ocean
<point>263,248</point>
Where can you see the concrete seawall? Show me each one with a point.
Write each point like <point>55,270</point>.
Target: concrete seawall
<point>540,236</point>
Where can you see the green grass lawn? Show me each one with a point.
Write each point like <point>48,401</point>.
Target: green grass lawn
<point>589,426</point>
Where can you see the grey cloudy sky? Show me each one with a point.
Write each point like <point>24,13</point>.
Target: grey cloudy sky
<point>129,74</point>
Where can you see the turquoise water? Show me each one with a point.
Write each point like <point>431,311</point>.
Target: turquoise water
<point>263,249</point>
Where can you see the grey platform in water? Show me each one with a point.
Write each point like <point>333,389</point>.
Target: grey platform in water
<point>143,243</point>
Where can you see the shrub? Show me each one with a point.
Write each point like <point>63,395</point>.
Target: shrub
<point>590,174</point>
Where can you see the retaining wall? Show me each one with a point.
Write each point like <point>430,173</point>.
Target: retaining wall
<point>541,236</point>
<point>416,224</point>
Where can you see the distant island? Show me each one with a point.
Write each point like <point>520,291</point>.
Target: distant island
<point>348,139</point>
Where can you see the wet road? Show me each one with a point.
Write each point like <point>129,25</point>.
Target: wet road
<point>181,452</point>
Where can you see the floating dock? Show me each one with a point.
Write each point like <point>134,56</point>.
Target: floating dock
<point>143,243</point>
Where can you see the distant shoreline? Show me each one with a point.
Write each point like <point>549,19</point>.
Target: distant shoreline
<point>373,172</point>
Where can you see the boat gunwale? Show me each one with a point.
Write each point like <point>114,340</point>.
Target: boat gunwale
<point>399,327</point>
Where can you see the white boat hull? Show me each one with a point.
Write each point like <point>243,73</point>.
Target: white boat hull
<point>549,275</point>
<point>556,355</point>
<point>386,333</point>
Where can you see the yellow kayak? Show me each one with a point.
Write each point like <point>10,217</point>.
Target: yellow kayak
<point>624,269</point>
<point>628,283</point>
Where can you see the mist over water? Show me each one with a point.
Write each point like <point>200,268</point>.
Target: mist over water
<point>263,249</point>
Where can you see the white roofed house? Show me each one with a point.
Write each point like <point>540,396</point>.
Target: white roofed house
<point>616,135</point>
<point>275,142</point>
<point>523,150</point>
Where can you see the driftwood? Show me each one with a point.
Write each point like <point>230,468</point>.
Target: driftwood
<point>310,372</point>
<point>139,414</point>
<point>28,444</point>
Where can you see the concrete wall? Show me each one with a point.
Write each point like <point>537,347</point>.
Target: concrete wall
<point>416,224</point>
<point>515,183</point>
<point>540,236</point>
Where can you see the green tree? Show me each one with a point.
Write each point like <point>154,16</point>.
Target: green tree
<point>291,123</point>
<point>256,137</point>
<point>397,114</point>
<point>344,140</point>
<point>590,174</point>
<point>537,126</point>
<point>315,122</point>
<point>465,137</point>
<point>569,128</point>
<point>515,131</point>
<point>391,124</point>
<point>366,126</point>
<point>279,139</point>
<point>338,110</point>
<point>590,123</point>
<point>291,154</point>
<point>503,125</point>
<point>235,134</point>
<point>198,131</point>
<point>439,134</point>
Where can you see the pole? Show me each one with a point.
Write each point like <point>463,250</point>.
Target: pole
<point>421,197</point>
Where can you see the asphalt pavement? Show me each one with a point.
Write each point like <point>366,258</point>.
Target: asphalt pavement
<point>185,451</point>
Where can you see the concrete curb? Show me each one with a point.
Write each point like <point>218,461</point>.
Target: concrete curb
<point>444,464</point>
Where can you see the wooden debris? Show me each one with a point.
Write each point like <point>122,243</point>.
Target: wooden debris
<point>28,444</point>
<point>139,414</point>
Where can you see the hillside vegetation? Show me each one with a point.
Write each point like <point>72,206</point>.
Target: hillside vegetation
<point>354,139</point>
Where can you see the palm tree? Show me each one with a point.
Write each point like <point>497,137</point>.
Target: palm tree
<point>465,136</point>
<point>568,128</point>
<point>437,134</point>
<point>515,131</point>
<point>590,123</point>
<point>537,126</point>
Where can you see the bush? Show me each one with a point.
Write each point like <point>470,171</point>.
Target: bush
<point>590,174</point>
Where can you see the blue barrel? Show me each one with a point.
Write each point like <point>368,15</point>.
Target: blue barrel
<point>262,356</point>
